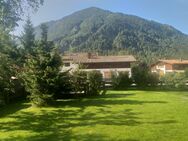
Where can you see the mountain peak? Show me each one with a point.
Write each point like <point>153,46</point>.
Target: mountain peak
<point>94,9</point>
<point>91,11</point>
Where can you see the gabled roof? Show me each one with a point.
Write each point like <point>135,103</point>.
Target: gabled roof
<point>93,58</point>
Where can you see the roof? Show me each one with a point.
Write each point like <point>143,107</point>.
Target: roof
<point>173,62</point>
<point>93,58</point>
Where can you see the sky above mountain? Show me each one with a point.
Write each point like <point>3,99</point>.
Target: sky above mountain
<point>172,12</point>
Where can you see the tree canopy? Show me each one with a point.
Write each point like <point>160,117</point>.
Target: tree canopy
<point>12,10</point>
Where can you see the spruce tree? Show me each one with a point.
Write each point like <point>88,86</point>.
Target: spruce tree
<point>44,33</point>
<point>42,72</point>
<point>28,36</point>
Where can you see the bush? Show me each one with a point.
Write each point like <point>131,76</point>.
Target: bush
<point>186,77</point>
<point>39,99</point>
<point>153,79</point>
<point>173,80</point>
<point>95,82</point>
<point>86,82</point>
<point>121,80</point>
<point>143,77</point>
<point>140,75</point>
<point>63,85</point>
<point>79,81</point>
<point>186,73</point>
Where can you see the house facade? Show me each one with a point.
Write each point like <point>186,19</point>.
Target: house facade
<point>166,66</point>
<point>105,64</point>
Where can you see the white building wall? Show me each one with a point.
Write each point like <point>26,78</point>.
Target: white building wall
<point>73,67</point>
<point>112,70</point>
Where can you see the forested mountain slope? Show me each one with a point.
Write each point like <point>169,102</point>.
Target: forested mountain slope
<point>102,31</point>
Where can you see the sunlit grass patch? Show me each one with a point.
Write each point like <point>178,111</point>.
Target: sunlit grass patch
<point>119,115</point>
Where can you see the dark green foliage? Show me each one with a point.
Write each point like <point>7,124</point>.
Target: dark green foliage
<point>42,73</point>
<point>27,40</point>
<point>10,57</point>
<point>121,80</point>
<point>140,74</point>
<point>79,81</point>
<point>105,32</point>
<point>95,83</point>
<point>6,73</point>
<point>44,32</point>
<point>143,77</point>
<point>63,85</point>
<point>186,76</point>
<point>186,73</point>
<point>12,10</point>
<point>41,76</point>
<point>28,37</point>
<point>153,79</point>
<point>89,83</point>
<point>6,44</point>
<point>173,80</point>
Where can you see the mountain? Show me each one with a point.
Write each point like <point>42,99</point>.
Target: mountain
<point>102,31</point>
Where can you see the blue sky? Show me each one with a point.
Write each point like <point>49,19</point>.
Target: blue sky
<point>172,12</point>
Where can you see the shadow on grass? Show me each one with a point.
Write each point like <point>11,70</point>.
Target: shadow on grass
<point>67,136</point>
<point>12,108</point>
<point>157,89</point>
<point>163,122</point>
<point>130,140</point>
<point>81,103</point>
<point>57,124</point>
<point>104,101</point>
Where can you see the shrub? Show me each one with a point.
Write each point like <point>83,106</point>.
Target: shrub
<point>186,73</point>
<point>79,81</point>
<point>186,77</point>
<point>140,75</point>
<point>173,80</point>
<point>63,84</point>
<point>153,79</point>
<point>143,77</point>
<point>121,80</point>
<point>87,82</point>
<point>95,82</point>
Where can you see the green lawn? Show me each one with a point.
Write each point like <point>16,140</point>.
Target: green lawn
<point>117,116</point>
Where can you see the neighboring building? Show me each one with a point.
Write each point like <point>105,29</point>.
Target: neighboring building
<point>165,66</point>
<point>104,64</point>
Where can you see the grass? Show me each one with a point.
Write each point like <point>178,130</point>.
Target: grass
<point>117,116</point>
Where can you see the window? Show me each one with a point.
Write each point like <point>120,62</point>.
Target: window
<point>67,64</point>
